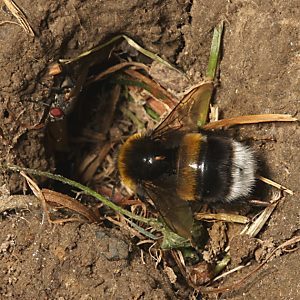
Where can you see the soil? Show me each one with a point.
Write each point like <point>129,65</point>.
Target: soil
<point>259,73</point>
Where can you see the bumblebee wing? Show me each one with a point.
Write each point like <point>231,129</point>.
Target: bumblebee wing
<point>176,212</point>
<point>186,113</point>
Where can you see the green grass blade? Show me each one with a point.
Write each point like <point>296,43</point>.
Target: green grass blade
<point>210,73</point>
<point>131,42</point>
<point>87,190</point>
<point>89,52</point>
<point>215,52</point>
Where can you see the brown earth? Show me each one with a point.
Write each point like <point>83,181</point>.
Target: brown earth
<point>259,73</point>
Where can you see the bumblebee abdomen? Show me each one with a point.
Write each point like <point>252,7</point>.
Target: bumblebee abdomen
<point>213,168</point>
<point>204,167</point>
<point>190,165</point>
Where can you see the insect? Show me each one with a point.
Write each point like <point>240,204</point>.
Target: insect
<point>178,165</point>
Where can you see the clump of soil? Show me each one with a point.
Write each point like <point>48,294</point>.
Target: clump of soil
<point>74,261</point>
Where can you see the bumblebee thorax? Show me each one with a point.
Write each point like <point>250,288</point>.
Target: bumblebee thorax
<point>142,159</point>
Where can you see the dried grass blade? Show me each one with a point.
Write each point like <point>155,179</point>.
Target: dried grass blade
<point>259,223</point>
<point>38,193</point>
<point>19,15</point>
<point>250,119</point>
<point>69,203</point>
<point>275,184</point>
<point>117,68</point>
<point>149,54</point>
<point>91,163</point>
<point>222,217</point>
<point>156,90</point>
<point>253,229</point>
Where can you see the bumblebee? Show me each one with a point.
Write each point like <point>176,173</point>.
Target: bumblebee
<point>177,165</point>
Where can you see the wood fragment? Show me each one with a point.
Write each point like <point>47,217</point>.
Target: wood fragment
<point>55,69</point>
